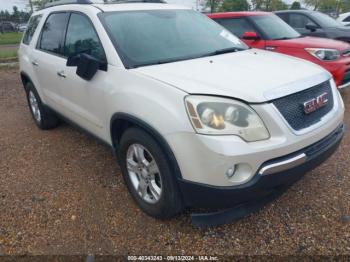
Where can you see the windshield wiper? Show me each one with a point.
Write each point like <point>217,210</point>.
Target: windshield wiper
<point>283,38</point>
<point>171,60</point>
<point>288,38</point>
<point>165,61</point>
<point>227,50</point>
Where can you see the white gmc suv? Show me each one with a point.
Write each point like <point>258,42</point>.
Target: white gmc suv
<point>195,117</point>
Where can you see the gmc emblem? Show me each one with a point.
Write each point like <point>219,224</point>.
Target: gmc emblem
<point>315,103</point>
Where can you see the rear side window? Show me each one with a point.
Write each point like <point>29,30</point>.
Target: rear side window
<point>82,37</point>
<point>32,25</point>
<point>237,26</point>
<point>53,32</point>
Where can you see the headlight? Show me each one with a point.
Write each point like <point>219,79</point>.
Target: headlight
<point>220,116</point>
<point>324,54</point>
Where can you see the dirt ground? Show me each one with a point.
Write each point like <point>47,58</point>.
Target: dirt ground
<point>61,192</point>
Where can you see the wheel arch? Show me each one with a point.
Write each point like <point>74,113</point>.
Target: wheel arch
<point>25,78</point>
<point>120,122</point>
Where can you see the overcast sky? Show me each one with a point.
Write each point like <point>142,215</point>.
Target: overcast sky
<point>8,4</point>
<point>22,4</point>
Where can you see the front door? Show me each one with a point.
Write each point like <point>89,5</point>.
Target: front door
<point>83,100</point>
<point>300,21</point>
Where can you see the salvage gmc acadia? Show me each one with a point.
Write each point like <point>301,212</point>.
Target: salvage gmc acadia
<point>195,117</point>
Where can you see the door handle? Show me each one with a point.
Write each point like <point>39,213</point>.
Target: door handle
<point>35,63</point>
<point>61,74</point>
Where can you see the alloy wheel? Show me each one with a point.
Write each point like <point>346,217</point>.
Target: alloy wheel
<point>144,173</point>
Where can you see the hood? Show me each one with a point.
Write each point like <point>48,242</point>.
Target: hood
<point>253,75</point>
<point>312,42</point>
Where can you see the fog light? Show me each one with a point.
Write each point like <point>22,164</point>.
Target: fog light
<point>230,172</point>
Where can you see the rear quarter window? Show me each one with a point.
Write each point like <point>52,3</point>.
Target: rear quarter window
<point>32,26</point>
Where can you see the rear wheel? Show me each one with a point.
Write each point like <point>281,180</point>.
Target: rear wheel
<point>43,116</point>
<point>148,175</point>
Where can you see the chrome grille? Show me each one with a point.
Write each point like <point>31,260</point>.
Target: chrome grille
<point>292,106</point>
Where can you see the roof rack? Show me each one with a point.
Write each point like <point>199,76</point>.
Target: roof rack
<point>51,3</point>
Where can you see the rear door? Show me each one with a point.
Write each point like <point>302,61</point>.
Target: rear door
<point>25,52</point>
<point>240,25</point>
<point>48,57</point>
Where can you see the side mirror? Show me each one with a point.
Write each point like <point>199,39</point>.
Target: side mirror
<point>311,27</point>
<point>73,60</point>
<point>250,36</point>
<point>87,65</point>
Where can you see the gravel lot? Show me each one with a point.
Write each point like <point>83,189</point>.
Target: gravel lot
<point>61,192</point>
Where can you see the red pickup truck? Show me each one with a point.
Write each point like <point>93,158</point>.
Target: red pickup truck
<point>267,31</point>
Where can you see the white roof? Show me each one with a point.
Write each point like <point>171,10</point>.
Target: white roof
<point>111,7</point>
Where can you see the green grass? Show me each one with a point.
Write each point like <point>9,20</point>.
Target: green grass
<point>10,38</point>
<point>7,54</point>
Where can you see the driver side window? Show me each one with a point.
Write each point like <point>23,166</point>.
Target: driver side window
<point>82,37</point>
<point>237,26</point>
<point>299,21</point>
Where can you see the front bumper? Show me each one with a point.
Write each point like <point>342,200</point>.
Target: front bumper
<point>207,159</point>
<point>345,82</point>
<point>263,183</point>
<point>340,71</point>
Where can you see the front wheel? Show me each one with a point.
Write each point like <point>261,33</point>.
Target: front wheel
<point>148,175</point>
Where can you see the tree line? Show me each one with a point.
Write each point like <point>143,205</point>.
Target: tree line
<point>15,15</point>
<point>329,6</point>
<point>326,6</point>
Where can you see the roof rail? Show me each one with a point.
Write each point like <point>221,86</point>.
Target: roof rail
<point>51,3</point>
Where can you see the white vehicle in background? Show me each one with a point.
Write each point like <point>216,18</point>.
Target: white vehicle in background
<point>22,27</point>
<point>344,19</point>
<point>195,117</point>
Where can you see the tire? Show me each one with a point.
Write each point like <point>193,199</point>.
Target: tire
<point>169,202</point>
<point>43,117</point>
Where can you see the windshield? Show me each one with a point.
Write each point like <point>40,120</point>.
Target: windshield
<point>325,20</point>
<point>150,37</point>
<point>274,28</point>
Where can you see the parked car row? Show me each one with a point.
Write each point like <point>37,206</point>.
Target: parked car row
<point>6,27</point>
<point>196,118</point>
<point>313,23</point>
<point>267,31</point>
